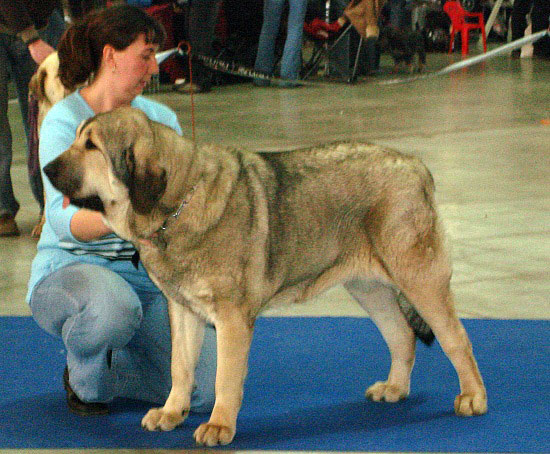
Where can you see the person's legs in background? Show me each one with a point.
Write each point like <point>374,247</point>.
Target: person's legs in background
<point>23,69</point>
<point>203,16</point>
<point>265,58</point>
<point>15,57</point>
<point>8,204</point>
<point>519,21</point>
<point>292,52</point>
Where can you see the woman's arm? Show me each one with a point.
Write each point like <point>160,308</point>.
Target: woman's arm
<point>88,225</point>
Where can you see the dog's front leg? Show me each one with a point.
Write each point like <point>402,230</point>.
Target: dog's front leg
<point>234,335</point>
<point>187,332</point>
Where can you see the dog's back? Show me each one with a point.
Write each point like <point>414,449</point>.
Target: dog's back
<point>342,186</point>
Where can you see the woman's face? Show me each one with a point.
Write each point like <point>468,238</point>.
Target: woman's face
<point>135,65</point>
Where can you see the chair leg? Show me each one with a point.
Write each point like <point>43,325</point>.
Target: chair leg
<point>452,43</point>
<point>353,76</point>
<point>314,62</point>
<point>484,38</point>
<point>465,36</point>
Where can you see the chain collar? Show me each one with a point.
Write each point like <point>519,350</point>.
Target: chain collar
<point>176,215</point>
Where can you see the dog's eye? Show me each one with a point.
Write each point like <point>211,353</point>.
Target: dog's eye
<point>89,144</point>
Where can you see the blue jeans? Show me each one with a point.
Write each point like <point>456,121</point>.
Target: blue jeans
<point>292,53</point>
<point>15,60</point>
<point>114,324</point>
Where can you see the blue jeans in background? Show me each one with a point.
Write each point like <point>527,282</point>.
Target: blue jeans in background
<point>114,324</point>
<point>16,61</point>
<point>292,53</point>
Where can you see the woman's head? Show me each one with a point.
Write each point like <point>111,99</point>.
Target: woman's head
<point>82,50</point>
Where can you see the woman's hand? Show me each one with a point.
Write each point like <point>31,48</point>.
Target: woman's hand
<point>87,225</point>
<point>39,50</point>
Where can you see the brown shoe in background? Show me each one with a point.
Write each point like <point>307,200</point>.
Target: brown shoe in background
<point>186,87</point>
<point>8,227</point>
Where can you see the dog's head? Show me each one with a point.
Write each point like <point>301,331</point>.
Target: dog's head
<point>46,86</point>
<point>112,160</point>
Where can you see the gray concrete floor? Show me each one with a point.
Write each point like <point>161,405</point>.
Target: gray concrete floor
<point>482,131</point>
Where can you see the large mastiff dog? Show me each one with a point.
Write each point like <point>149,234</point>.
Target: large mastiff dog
<point>225,233</point>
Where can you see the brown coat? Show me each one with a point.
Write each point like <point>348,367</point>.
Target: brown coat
<point>364,14</point>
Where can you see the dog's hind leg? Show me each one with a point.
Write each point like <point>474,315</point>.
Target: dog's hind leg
<point>419,266</point>
<point>187,333</point>
<point>380,302</point>
<point>434,302</point>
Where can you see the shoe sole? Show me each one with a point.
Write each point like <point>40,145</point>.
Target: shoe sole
<point>78,412</point>
<point>9,234</point>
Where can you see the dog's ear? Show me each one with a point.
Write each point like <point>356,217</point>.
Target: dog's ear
<point>37,84</point>
<point>126,137</point>
<point>146,180</point>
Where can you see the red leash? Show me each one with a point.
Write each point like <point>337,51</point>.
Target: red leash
<point>191,91</point>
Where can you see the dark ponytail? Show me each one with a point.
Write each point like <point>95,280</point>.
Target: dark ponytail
<point>75,61</point>
<point>81,47</point>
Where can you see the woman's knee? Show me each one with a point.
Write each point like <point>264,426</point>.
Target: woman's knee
<point>89,306</point>
<point>111,321</point>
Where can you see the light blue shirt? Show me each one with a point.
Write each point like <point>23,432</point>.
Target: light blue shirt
<point>57,246</point>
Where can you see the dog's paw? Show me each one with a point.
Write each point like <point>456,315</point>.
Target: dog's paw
<point>471,404</point>
<point>159,419</point>
<point>212,434</point>
<point>382,392</point>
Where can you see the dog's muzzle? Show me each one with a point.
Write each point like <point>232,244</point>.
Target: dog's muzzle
<point>69,183</point>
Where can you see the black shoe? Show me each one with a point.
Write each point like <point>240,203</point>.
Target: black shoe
<point>77,406</point>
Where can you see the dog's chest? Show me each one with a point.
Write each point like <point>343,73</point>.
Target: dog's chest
<point>180,284</point>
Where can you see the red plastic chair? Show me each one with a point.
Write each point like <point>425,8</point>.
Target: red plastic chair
<point>463,21</point>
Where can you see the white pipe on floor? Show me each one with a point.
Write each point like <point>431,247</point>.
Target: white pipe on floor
<point>518,43</point>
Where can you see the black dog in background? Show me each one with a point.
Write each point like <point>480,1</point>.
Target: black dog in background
<point>403,45</point>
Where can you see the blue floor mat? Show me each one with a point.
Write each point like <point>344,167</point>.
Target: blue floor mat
<point>305,391</point>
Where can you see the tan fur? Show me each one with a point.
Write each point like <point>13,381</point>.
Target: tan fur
<point>262,229</point>
<point>47,89</point>
<point>46,86</point>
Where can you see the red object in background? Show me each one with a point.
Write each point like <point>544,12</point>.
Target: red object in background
<point>459,23</point>
<point>164,13</point>
<point>316,30</point>
<point>222,28</point>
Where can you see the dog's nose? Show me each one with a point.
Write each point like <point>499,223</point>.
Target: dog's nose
<point>52,170</point>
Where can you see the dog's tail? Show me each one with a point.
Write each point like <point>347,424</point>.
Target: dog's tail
<point>420,328</point>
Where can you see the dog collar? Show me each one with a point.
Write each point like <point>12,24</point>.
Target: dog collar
<point>176,215</point>
<point>157,238</point>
